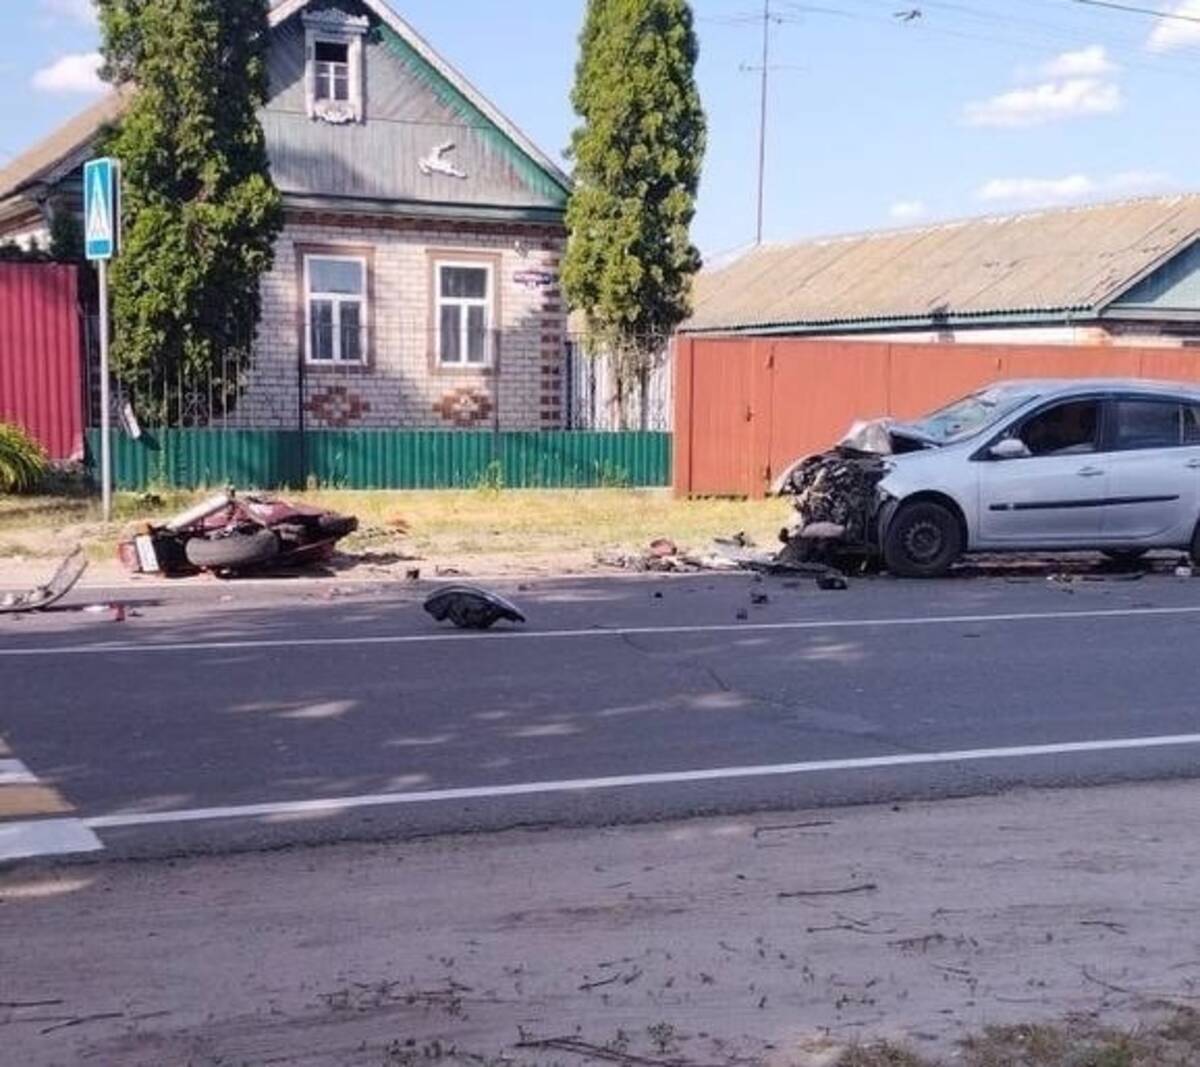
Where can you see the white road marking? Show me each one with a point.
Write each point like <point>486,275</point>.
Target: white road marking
<point>46,837</point>
<point>622,631</point>
<point>14,772</point>
<point>335,805</point>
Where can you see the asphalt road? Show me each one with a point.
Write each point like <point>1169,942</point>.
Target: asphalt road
<point>229,717</point>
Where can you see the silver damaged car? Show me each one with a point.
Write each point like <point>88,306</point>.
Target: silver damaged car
<point>1045,465</point>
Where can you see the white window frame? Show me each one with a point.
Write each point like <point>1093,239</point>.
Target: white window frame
<point>487,302</point>
<point>337,299</point>
<point>335,27</point>
<point>331,78</point>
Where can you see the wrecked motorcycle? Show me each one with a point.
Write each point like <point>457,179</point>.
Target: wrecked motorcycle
<point>230,533</point>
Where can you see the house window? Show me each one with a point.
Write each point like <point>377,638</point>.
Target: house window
<point>334,47</point>
<point>336,309</point>
<point>332,71</point>
<point>464,314</point>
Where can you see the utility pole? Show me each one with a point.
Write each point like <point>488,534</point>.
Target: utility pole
<point>762,120</point>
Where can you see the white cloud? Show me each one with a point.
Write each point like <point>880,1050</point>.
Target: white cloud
<point>78,73</point>
<point>1090,62</point>
<point>1070,189</point>
<point>1169,34</point>
<point>1048,102</point>
<point>1139,181</point>
<point>1037,190</point>
<point>79,10</point>
<point>907,210</point>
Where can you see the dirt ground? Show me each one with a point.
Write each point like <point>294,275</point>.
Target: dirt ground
<point>778,939</point>
<point>481,533</point>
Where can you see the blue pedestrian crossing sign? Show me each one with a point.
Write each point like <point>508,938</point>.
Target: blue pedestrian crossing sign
<point>101,208</point>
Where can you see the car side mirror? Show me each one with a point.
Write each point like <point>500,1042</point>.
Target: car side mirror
<point>1009,448</point>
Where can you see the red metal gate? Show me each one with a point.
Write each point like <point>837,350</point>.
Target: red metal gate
<point>40,355</point>
<point>745,408</point>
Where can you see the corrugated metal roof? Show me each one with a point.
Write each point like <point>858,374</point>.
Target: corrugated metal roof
<point>63,143</point>
<point>1065,260</point>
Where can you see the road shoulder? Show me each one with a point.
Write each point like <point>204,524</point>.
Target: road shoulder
<point>781,936</point>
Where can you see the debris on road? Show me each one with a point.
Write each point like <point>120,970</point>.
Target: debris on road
<point>471,608</point>
<point>663,547</point>
<point>866,887</point>
<point>40,597</point>
<point>230,533</point>
<point>727,554</point>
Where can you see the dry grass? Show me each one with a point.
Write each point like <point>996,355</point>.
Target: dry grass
<point>459,525</point>
<point>1172,1040</point>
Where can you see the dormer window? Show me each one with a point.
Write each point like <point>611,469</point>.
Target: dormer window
<point>334,53</point>
<point>332,71</point>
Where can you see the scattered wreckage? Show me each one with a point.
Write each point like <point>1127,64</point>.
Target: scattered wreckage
<point>231,533</point>
<point>727,554</point>
<point>834,531</point>
<point>41,597</point>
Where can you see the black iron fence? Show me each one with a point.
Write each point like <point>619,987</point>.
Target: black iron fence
<point>345,377</point>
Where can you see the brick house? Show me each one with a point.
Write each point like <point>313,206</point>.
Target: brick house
<point>416,281</point>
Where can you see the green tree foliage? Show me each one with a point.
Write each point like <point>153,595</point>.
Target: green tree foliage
<point>11,252</point>
<point>200,213</point>
<point>66,235</point>
<point>22,461</point>
<point>637,154</point>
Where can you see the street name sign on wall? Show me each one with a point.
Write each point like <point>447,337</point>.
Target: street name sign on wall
<point>101,207</point>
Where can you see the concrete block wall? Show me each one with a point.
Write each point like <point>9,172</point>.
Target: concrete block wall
<point>402,386</point>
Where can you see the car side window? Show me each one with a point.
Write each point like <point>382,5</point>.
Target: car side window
<point>1191,424</point>
<point>1067,429</point>
<point>1142,424</point>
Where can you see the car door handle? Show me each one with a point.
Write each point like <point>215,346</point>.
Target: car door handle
<point>1090,472</point>
<point>1193,464</point>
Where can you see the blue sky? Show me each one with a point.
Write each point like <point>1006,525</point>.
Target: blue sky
<point>974,106</point>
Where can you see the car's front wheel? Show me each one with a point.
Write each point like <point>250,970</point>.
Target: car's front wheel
<point>922,541</point>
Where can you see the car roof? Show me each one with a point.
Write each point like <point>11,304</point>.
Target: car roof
<point>1049,387</point>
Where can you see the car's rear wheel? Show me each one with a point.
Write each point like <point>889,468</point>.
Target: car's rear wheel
<point>1195,553</point>
<point>922,541</point>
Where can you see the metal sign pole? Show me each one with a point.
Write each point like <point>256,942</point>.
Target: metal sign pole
<point>102,223</point>
<point>105,399</point>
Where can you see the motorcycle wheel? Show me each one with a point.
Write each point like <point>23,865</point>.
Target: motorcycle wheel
<point>233,551</point>
<point>332,525</point>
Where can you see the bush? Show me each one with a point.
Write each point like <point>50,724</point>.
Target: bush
<point>22,461</point>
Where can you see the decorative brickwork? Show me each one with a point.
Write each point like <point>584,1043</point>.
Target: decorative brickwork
<point>465,408</point>
<point>336,407</point>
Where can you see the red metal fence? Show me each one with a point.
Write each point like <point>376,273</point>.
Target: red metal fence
<point>40,356</point>
<point>745,408</point>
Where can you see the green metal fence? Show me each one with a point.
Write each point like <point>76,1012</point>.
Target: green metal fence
<point>387,459</point>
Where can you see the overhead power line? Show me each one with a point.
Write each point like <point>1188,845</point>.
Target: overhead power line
<point>1133,9</point>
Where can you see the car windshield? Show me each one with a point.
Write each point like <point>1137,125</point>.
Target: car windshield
<point>972,414</point>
